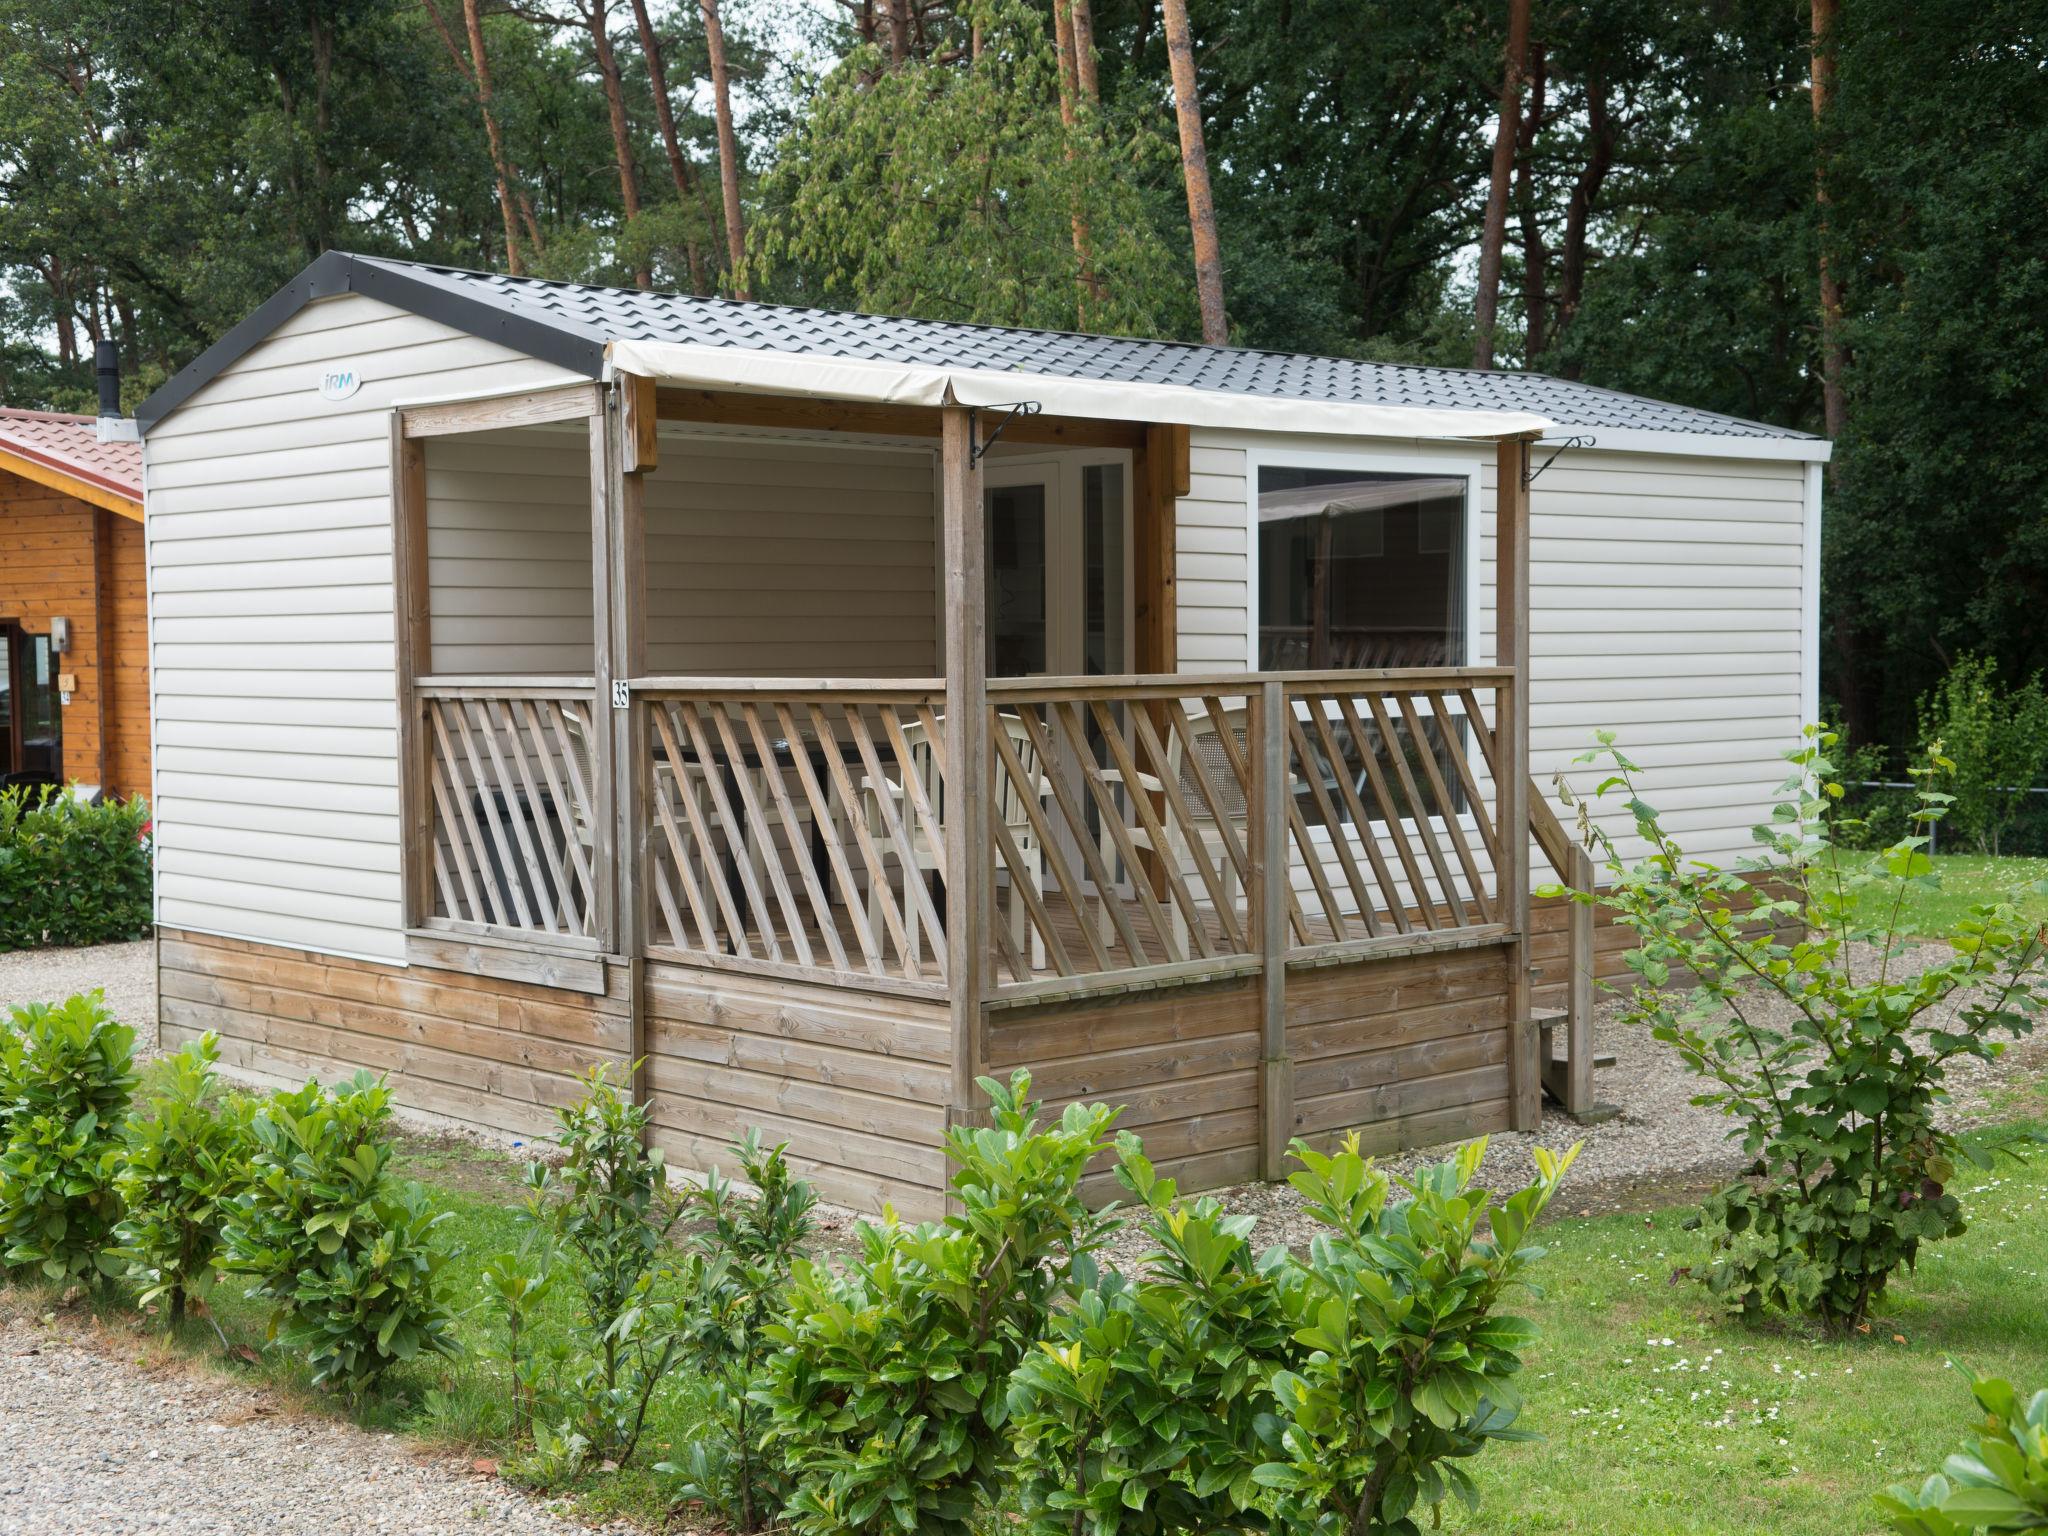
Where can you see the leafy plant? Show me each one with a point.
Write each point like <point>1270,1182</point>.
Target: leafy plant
<point>1836,1106</point>
<point>1149,1408</point>
<point>888,1392</point>
<point>608,1208</point>
<point>184,1156</point>
<point>72,873</point>
<point>342,1251</point>
<point>1408,1370</point>
<point>1998,739</point>
<point>517,1281</point>
<point>1997,1482</point>
<point>66,1072</point>
<point>737,1277</point>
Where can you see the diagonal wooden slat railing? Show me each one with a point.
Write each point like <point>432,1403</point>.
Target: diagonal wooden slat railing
<point>1569,1079</point>
<point>797,826</point>
<point>511,798</point>
<point>1125,821</point>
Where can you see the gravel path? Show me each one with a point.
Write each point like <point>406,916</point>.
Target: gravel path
<point>94,1442</point>
<point>125,972</point>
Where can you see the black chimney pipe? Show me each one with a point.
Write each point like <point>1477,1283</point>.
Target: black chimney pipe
<point>107,362</point>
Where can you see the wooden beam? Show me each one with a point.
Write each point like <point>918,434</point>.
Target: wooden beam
<point>622,654</point>
<point>968,893</point>
<point>642,437</point>
<point>1267,892</point>
<point>52,478</point>
<point>1511,728</point>
<point>1159,474</point>
<point>728,408</point>
<point>413,625</point>
<point>528,408</point>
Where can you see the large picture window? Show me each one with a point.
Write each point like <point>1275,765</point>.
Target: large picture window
<point>1360,570</point>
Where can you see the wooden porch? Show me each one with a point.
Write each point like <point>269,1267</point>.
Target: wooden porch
<point>1249,905</point>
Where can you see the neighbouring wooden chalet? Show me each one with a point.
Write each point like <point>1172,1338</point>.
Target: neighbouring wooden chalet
<point>74,618</point>
<point>825,710</point>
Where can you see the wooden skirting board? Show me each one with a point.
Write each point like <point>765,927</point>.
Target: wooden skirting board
<point>1410,1050</point>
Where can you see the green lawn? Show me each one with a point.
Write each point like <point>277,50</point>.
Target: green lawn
<point>1661,1416</point>
<point>1966,880</point>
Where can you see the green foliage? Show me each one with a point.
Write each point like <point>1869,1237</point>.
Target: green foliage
<point>607,1209</point>
<point>1837,1107</point>
<point>72,873</point>
<point>66,1071</point>
<point>952,191</point>
<point>888,1392</point>
<point>1408,1370</point>
<point>517,1282</point>
<point>1149,1408</point>
<point>185,1155</point>
<point>737,1277</point>
<point>1996,737</point>
<point>342,1251</point>
<point>1997,1482</point>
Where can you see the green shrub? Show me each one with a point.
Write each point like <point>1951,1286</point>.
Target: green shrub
<point>737,1279</point>
<point>888,1391</point>
<point>609,1211</point>
<point>1851,1171</point>
<point>1997,1482</point>
<point>1407,1371</point>
<point>72,873</point>
<point>341,1250</point>
<point>1149,1409</point>
<point>1996,737</point>
<point>66,1071</point>
<point>185,1155</point>
<point>517,1282</point>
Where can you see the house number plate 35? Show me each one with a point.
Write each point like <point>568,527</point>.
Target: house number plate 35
<point>622,696</point>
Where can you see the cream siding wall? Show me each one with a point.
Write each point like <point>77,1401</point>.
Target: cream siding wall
<point>1667,600</point>
<point>269,538</point>
<point>509,551</point>
<point>780,557</point>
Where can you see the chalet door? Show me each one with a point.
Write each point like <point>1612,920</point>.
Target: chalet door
<point>1059,587</point>
<point>31,724</point>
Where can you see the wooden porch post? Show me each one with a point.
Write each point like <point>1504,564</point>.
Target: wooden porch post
<point>618,600</point>
<point>414,638</point>
<point>966,829</point>
<point>1266,891</point>
<point>1511,728</point>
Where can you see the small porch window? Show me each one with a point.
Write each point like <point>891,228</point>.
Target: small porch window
<point>1359,569</point>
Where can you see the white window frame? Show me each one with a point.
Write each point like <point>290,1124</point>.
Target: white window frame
<point>1363,461</point>
<point>1366,461</point>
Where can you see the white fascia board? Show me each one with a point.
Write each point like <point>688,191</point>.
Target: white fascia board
<point>831,378</point>
<point>1697,445</point>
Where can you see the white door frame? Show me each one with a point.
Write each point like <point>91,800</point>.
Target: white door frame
<point>1061,474</point>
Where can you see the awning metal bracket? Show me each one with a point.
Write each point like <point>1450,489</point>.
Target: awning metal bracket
<point>1529,477</point>
<point>1011,412</point>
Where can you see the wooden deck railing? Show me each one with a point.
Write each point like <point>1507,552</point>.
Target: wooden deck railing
<point>799,825</point>
<point>513,804</point>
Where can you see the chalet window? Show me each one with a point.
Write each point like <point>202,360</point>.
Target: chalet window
<point>1360,570</point>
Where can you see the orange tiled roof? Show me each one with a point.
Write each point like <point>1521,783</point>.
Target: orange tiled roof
<point>71,446</point>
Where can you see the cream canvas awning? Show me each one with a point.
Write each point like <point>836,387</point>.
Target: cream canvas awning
<point>807,375</point>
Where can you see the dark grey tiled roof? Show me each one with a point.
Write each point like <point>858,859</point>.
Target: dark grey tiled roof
<point>570,323</point>
<point>603,314</point>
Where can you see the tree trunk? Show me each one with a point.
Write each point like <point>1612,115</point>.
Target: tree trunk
<point>1833,354</point>
<point>598,19</point>
<point>480,82</point>
<point>1084,53</point>
<point>1486,304</point>
<point>664,112</point>
<point>1063,41</point>
<point>1535,248</point>
<point>728,144</point>
<point>1194,160</point>
<point>899,32</point>
<point>1604,139</point>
